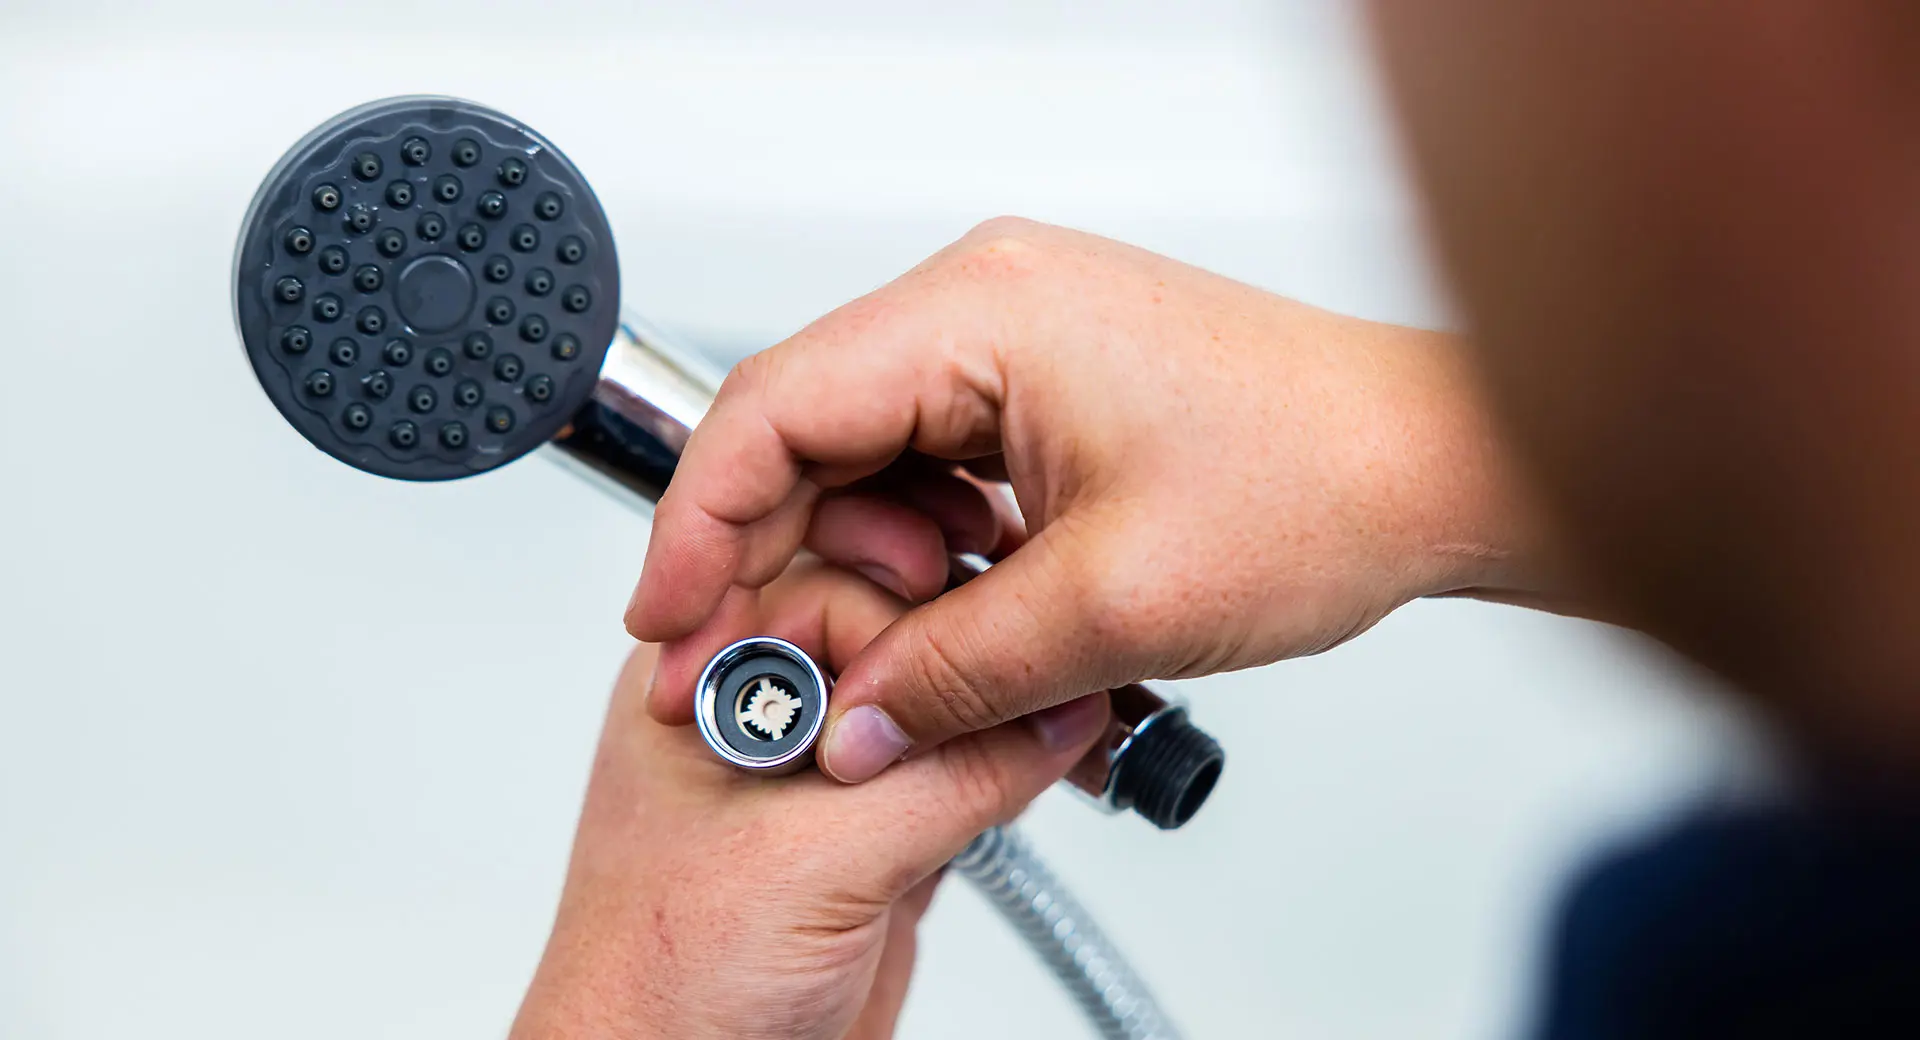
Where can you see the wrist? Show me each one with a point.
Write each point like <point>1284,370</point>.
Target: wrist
<point>1484,529</point>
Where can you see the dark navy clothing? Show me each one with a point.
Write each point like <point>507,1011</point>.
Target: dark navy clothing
<point>1750,924</point>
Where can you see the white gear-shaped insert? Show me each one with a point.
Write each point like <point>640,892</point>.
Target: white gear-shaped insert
<point>768,710</point>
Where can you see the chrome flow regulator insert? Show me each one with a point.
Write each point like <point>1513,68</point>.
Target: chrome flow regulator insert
<point>760,704</point>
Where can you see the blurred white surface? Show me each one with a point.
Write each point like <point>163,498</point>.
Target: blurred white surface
<point>287,750</point>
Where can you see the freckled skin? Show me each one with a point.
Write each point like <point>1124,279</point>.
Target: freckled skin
<point>1686,240</point>
<point>703,902</point>
<point>1210,476</point>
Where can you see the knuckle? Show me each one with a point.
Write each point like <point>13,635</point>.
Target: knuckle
<point>1003,229</point>
<point>745,374</point>
<point>1002,249</point>
<point>954,701</point>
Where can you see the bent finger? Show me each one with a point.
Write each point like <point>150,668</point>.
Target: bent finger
<point>895,545</point>
<point>829,612</point>
<point>834,403</point>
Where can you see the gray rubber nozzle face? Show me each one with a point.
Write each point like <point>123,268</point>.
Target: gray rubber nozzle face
<point>426,288</point>
<point>760,704</point>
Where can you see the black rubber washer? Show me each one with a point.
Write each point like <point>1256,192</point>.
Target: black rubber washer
<point>748,669</point>
<point>330,165</point>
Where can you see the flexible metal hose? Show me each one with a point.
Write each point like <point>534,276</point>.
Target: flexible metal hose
<point>1006,870</point>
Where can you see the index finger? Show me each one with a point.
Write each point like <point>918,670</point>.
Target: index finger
<point>837,402</point>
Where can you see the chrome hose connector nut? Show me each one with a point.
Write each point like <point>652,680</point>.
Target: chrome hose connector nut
<point>760,704</point>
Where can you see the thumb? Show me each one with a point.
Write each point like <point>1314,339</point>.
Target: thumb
<point>937,803</point>
<point>1030,632</point>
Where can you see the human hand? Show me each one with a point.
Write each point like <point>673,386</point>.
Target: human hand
<point>1214,477</point>
<point>707,902</point>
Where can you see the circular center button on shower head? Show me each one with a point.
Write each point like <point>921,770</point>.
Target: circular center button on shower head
<point>376,230</point>
<point>435,293</point>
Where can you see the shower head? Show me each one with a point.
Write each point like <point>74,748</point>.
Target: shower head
<point>426,288</point>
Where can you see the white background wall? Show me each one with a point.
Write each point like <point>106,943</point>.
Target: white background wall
<point>290,751</point>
